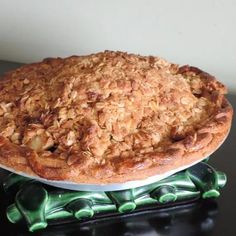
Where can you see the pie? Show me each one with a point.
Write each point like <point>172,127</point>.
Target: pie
<point>109,117</point>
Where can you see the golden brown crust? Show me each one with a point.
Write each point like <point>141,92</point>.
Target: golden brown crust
<point>109,117</point>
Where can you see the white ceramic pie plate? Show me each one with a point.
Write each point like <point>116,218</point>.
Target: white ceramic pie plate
<point>106,187</point>
<point>101,187</point>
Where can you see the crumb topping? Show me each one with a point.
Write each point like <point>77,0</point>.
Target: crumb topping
<point>92,110</point>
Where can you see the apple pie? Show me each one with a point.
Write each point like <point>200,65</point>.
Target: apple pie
<point>109,117</point>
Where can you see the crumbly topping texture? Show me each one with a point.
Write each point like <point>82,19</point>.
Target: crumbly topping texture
<point>103,116</point>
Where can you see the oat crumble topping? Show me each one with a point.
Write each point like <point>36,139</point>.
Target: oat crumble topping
<point>91,110</point>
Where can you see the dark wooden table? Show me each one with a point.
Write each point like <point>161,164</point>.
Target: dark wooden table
<point>217,217</point>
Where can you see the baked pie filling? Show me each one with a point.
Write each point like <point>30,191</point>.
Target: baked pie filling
<point>109,117</point>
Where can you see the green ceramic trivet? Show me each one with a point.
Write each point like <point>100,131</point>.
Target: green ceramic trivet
<point>38,204</point>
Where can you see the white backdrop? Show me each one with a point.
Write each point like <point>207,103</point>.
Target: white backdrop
<point>201,33</point>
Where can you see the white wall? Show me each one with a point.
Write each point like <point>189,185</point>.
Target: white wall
<point>201,33</point>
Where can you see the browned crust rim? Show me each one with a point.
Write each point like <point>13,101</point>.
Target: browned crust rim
<point>185,152</point>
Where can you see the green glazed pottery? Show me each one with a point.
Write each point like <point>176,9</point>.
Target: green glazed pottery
<point>38,204</point>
